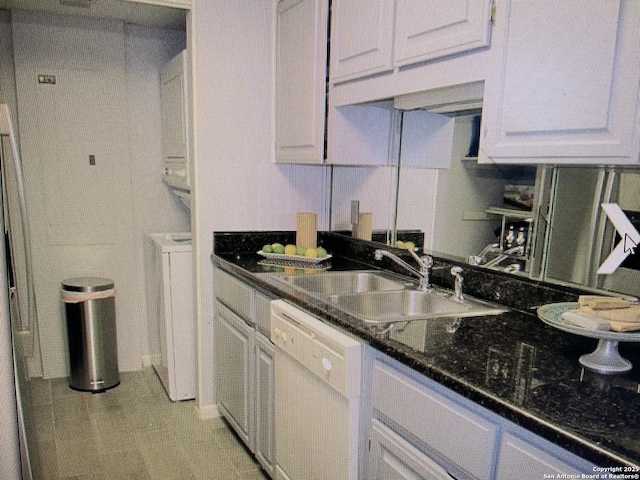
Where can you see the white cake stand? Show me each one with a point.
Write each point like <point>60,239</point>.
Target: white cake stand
<point>605,358</point>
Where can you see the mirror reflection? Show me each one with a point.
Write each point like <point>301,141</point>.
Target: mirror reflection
<point>543,222</point>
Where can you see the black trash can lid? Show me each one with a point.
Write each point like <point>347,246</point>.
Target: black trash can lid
<point>87,284</point>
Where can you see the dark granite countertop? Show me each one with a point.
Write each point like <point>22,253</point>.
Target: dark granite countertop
<point>512,364</point>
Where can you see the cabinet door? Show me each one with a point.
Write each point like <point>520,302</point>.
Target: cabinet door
<point>265,403</point>
<point>429,29</point>
<point>301,69</point>
<point>233,354</point>
<point>393,458</point>
<point>520,459</point>
<point>361,38</point>
<point>557,94</point>
<point>174,98</point>
<point>458,434</point>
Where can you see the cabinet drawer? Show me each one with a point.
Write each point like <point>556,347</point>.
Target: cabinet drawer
<point>454,432</point>
<point>394,457</point>
<point>234,294</point>
<point>263,313</point>
<point>521,459</point>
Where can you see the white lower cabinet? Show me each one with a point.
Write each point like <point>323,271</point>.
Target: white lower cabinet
<point>421,430</point>
<point>244,365</point>
<point>264,395</point>
<point>234,347</point>
<point>453,439</point>
<point>521,459</point>
<point>394,458</point>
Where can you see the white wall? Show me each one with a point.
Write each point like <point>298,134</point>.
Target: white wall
<point>88,220</point>
<point>236,184</point>
<point>461,226</point>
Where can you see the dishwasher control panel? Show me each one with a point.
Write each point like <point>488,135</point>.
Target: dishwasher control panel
<point>331,355</point>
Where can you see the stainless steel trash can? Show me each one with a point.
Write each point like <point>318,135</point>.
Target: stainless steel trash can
<point>90,311</point>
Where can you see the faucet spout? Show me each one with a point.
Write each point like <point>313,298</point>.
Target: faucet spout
<point>425,262</point>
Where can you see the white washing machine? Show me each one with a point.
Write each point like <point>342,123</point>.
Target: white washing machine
<point>168,261</point>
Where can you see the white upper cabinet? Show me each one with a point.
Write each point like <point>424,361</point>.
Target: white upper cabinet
<point>361,37</point>
<point>301,69</point>
<point>564,85</point>
<point>429,29</point>
<point>370,37</point>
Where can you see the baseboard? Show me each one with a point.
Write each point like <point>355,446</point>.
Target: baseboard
<point>206,412</point>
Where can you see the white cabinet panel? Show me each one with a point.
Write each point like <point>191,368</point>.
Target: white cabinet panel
<point>265,401</point>
<point>429,29</point>
<point>556,94</point>
<point>520,459</point>
<point>362,37</point>
<point>393,458</point>
<point>301,65</point>
<point>461,436</point>
<point>234,294</point>
<point>371,37</point>
<point>234,342</point>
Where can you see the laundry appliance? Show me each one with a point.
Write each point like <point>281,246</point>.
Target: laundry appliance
<point>170,311</point>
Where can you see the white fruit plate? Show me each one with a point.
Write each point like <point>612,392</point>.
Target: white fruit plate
<point>295,258</point>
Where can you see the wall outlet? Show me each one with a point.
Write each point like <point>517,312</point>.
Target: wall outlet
<point>355,212</point>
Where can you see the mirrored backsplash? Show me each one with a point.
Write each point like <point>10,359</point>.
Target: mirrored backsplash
<point>541,222</point>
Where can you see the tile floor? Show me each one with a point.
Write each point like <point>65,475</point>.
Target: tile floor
<point>132,432</point>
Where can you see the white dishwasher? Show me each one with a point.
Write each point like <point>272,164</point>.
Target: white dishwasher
<point>317,397</point>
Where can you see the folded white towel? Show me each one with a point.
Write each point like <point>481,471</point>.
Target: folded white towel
<point>585,320</point>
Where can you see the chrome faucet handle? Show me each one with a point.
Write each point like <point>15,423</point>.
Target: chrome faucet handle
<point>457,272</point>
<point>426,262</point>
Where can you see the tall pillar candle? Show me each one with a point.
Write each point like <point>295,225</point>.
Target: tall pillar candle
<point>364,226</point>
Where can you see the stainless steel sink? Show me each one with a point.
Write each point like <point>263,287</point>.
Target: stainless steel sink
<point>406,305</point>
<point>347,283</point>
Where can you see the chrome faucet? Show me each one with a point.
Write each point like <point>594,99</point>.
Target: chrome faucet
<point>425,262</point>
<point>457,272</point>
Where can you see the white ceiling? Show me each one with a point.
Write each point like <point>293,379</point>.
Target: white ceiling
<point>130,12</point>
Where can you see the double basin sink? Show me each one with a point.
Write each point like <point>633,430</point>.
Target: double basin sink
<point>380,297</point>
